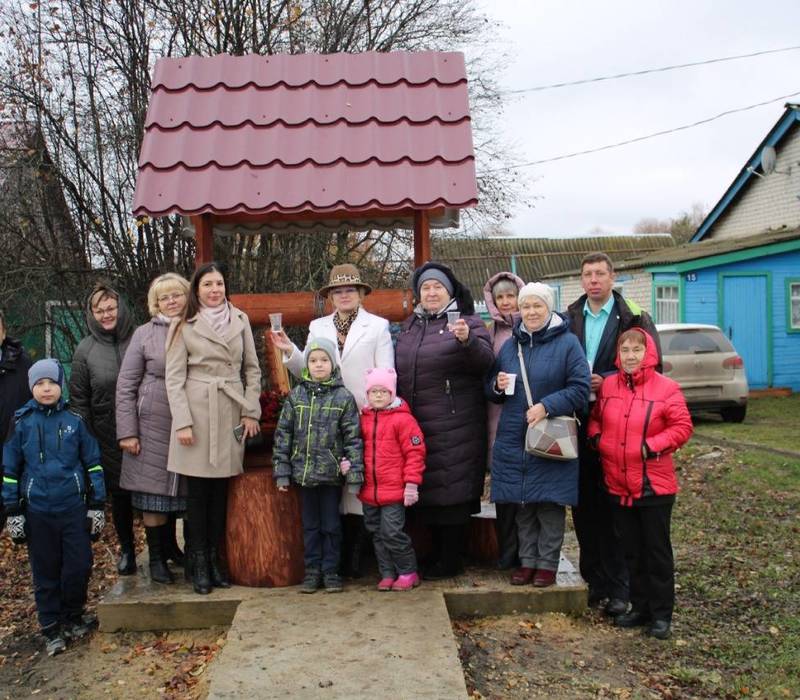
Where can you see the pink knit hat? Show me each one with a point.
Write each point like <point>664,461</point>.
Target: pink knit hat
<point>384,377</point>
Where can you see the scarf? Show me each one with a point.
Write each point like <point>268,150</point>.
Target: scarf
<point>451,305</point>
<point>342,326</point>
<point>218,317</point>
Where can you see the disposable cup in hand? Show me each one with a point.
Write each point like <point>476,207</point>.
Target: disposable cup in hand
<point>276,322</point>
<point>452,317</point>
<point>512,380</point>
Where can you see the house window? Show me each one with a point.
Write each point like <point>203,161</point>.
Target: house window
<point>793,302</point>
<point>667,304</point>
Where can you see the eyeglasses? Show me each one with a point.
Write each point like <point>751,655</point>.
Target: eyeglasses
<point>379,391</point>
<point>344,290</point>
<point>108,311</point>
<point>170,297</point>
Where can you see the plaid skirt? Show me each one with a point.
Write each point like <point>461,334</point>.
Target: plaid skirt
<point>155,503</point>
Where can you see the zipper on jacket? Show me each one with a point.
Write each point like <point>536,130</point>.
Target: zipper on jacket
<point>28,492</point>
<point>77,483</point>
<point>41,443</point>
<point>308,439</point>
<point>374,454</point>
<point>60,433</point>
<point>449,392</point>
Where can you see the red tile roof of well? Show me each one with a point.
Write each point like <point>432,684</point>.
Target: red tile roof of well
<point>293,134</point>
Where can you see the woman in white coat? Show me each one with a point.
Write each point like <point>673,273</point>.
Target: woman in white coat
<point>362,342</point>
<point>213,411</point>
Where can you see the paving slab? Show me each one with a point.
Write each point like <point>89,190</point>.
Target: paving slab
<point>355,644</point>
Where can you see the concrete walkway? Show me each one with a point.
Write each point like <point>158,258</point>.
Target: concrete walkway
<point>356,644</point>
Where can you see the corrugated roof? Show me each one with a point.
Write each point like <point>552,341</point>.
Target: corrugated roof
<point>474,260</point>
<point>708,248</point>
<point>308,133</point>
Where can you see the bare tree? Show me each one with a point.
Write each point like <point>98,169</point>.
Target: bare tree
<point>681,228</point>
<point>77,72</point>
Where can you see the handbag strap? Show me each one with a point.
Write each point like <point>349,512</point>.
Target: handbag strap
<point>524,374</point>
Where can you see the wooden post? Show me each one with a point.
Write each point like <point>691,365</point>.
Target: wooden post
<point>203,239</point>
<point>422,237</point>
<point>276,369</point>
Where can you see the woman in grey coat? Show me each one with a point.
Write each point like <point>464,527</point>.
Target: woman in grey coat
<point>143,425</point>
<point>92,390</point>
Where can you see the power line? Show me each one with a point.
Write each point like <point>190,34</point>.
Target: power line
<point>641,138</point>
<point>553,86</point>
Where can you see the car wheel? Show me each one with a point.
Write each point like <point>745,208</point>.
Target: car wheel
<point>734,414</point>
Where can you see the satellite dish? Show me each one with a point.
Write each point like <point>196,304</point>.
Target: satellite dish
<point>768,160</point>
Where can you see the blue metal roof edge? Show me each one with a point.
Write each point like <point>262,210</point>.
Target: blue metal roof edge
<point>789,117</point>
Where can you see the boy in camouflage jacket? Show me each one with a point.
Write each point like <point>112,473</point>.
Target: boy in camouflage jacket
<point>318,446</point>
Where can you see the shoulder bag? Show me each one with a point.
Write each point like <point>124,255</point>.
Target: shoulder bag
<point>551,438</point>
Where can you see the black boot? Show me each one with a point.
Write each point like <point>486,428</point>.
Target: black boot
<point>201,579</point>
<point>172,552</point>
<point>359,548</point>
<point>219,577</point>
<point>159,572</point>
<point>122,515</point>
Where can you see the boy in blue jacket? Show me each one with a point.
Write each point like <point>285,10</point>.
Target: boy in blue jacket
<point>53,492</point>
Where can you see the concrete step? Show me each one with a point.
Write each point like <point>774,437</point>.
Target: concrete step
<point>356,644</point>
<point>135,603</point>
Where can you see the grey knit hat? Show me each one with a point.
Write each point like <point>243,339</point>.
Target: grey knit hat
<point>46,369</point>
<point>433,273</point>
<point>327,346</point>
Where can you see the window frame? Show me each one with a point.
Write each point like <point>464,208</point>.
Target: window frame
<point>677,301</point>
<point>791,282</point>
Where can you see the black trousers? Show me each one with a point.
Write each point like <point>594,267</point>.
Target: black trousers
<point>206,511</point>
<point>60,550</point>
<point>601,561</point>
<point>122,516</point>
<point>507,539</point>
<point>648,553</point>
<point>322,528</point>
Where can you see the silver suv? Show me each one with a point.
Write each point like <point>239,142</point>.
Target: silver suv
<point>704,362</point>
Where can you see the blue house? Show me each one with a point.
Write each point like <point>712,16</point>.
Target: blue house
<point>741,271</point>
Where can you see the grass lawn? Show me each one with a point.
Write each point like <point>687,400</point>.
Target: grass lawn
<point>736,630</point>
<point>770,421</point>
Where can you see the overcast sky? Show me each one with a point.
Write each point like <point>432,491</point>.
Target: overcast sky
<point>551,41</point>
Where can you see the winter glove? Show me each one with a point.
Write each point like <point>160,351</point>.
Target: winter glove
<point>96,521</point>
<point>410,495</point>
<point>16,528</point>
<point>344,465</point>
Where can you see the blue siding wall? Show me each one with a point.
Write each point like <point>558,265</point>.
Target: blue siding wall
<point>702,305</point>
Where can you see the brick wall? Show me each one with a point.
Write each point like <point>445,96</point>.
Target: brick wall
<point>766,203</point>
<point>637,286</point>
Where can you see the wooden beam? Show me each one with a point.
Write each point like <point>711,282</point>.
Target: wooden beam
<point>300,308</point>
<point>422,237</point>
<point>203,239</point>
<point>276,369</point>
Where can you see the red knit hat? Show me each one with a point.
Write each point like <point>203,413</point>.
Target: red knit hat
<point>384,377</point>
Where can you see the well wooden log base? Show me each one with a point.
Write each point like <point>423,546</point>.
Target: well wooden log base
<point>300,308</point>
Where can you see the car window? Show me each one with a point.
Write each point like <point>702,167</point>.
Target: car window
<point>694,341</point>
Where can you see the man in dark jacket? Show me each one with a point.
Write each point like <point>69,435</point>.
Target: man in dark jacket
<point>14,391</point>
<point>598,318</point>
<point>93,388</point>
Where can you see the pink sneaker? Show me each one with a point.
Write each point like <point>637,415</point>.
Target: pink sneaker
<point>406,582</point>
<point>386,584</point>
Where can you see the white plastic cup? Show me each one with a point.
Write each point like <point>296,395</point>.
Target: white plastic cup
<point>512,382</point>
<point>276,322</point>
<point>452,317</point>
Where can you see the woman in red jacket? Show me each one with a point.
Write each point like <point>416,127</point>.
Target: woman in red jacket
<point>640,418</point>
<point>394,460</point>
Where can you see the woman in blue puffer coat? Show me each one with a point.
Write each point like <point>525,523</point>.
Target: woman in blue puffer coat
<point>559,379</point>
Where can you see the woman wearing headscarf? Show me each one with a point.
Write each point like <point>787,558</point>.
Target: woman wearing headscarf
<point>92,395</point>
<point>213,412</point>
<point>362,342</point>
<point>440,371</point>
<point>558,375</point>
<point>143,426</point>
<point>500,294</point>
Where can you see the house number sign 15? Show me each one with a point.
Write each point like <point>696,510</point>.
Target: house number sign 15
<point>691,277</point>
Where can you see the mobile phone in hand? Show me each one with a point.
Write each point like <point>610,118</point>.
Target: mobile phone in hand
<point>238,432</point>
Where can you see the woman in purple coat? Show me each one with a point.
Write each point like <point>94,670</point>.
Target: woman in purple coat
<point>440,372</point>
<point>144,422</point>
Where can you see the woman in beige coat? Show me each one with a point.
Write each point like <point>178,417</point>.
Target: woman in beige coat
<point>212,412</point>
